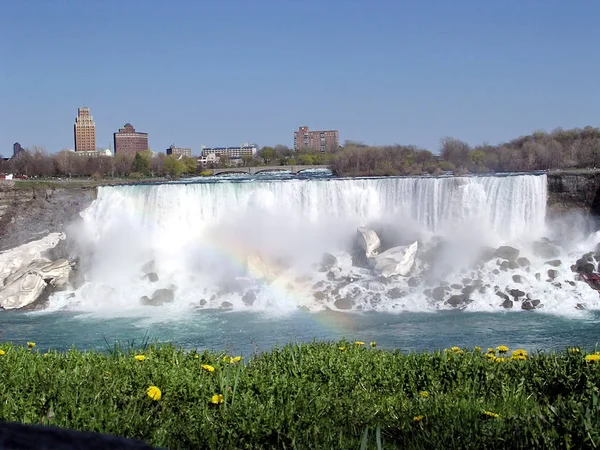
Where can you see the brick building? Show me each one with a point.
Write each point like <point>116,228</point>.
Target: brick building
<point>324,141</point>
<point>84,131</point>
<point>129,141</point>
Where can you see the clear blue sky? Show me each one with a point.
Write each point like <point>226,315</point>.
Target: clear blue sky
<point>223,72</point>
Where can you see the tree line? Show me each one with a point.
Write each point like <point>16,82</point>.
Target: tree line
<point>558,149</point>
<point>37,162</point>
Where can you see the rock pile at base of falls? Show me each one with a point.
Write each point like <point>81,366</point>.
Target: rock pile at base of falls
<point>28,276</point>
<point>511,281</point>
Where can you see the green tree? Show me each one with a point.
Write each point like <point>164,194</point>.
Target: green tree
<point>267,154</point>
<point>191,165</point>
<point>305,159</point>
<point>141,162</point>
<point>173,166</point>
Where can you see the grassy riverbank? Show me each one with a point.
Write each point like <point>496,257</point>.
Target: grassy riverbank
<point>320,395</point>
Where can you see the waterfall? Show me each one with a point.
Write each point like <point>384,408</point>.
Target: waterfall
<point>258,244</point>
<point>507,206</point>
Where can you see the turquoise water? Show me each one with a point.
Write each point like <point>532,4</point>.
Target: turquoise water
<point>244,332</point>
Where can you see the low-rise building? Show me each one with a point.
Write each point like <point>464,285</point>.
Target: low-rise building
<point>95,153</point>
<point>179,152</point>
<point>208,160</point>
<point>231,152</point>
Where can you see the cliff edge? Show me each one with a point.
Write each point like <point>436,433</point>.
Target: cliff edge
<point>30,212</point>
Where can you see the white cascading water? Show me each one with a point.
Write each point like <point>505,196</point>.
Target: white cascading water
<point>200,236</point>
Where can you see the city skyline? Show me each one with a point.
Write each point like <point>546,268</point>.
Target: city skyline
<point>385,73</point>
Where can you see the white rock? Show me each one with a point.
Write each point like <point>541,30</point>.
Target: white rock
<point>368,241</point>
<point>395,261</point>
<point>22,291</point>
<point>19,258</point>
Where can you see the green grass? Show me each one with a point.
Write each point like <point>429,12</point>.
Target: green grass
<point>309,396</point>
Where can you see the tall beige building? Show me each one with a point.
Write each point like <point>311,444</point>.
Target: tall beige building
<point>85,131</point>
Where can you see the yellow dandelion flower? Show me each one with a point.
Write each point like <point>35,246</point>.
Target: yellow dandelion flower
<point>140,357</point>
<point>154,393</point>
<point>373,344</point>
<point>490,356</point>
<point>592,358</point>
<point>226,358</point>
<point>477,349</point>
<point>455,349</point>
<point>519,357</point>
<point>235,359</point>
<point>2,352</point>
<point>502,348</point>
<point>217,399</point>
<point>359,343</point>
<point>491,350</point>
<point>196,356</point>
<point>208,368</point>
<point>30,344</point>
<point>342,348</point>
<point>424,394</point>
<point>491,414</point>
<point>418,418</point>
<point>520,352</point>
<point>499,360</point>
<point>575,350</point>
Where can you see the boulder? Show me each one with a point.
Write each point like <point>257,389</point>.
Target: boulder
<point>459,300</point>
<point>413,282</point>
<point>395,293</point>
<point>320,296</point>
<point>345,303</point>
<point>552,274</point>
<point>545,249</point>
<point>21,257</point>
<point>516,293</point>
<point>226,304</point>
<point>151,276</point>
<point>368,240</point>
<point>554,262</point>
<point>507,304</point>
<point>395,261</point>
<point>523,262</point>
<point>519,279</point>
<point>159,297</point>
<point>438,293</point>
<point>249,298</point>
<point>507,252</point>
<point>529,305</point>
<point>54,274</point>
<point>22,291</point>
